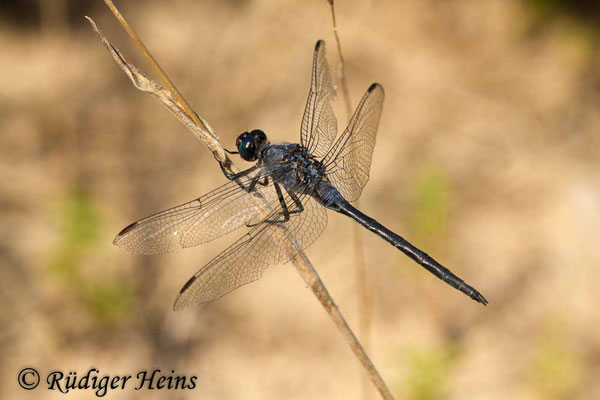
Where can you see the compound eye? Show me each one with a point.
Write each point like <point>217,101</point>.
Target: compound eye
<point>239,139</point>
<point>247,148</point>
<point>260,136</point>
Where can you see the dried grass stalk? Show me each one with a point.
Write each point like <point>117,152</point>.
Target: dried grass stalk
<point>361,278</point>
<point>200,128</point>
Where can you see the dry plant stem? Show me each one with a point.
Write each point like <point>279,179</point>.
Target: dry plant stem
<point>364,297</point>
<point>342,65</point>
<point>175,103</point>
<point>163,76</point>
<point>165,96</point>
<point>361,276</point>
<point>316,284</point>
<point>176,97</point>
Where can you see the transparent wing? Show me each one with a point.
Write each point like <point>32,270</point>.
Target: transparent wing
<point>319,126</point>
<point>198,221</point>
<point>265,245</point>
<point>349,159</point>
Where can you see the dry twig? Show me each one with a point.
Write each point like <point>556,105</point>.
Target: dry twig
<point>360,277</point>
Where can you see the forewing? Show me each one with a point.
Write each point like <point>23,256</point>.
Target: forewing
<point>265,245</point>
<point>319,126</point>
<point>349,160</point>
<point>198,221</point>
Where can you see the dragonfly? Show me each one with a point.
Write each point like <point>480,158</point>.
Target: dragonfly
<point>282,199</point>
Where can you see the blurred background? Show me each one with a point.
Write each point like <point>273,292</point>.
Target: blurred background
<point>487,158</point>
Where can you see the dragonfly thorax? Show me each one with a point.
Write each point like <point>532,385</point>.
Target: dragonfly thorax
<point>307,168</point>
<point>292,166</point>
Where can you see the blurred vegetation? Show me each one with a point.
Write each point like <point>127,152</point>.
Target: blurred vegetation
<point>80,232</point>
<point>79,223</point>
<point>431,200</point>
<point>584,10</point>
<point>47,14</point>
<point>430,372</point>
<point>557,370</point>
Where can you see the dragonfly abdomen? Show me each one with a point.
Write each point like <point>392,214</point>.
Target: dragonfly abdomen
<point>411,251</point>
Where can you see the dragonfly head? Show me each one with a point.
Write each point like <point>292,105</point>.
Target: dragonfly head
<point>251,144</point>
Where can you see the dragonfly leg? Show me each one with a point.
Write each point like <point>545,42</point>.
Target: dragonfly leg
<point>256,180</point>
<point>285,212</point>
<point>231,176</point>
<point>297,202</point>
